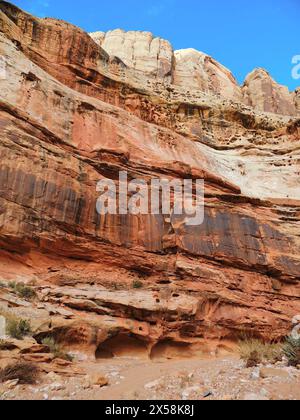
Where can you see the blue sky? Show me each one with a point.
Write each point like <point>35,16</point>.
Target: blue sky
<point>241,34</point>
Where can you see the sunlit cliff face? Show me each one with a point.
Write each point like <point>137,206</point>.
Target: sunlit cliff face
<point>74,111</point>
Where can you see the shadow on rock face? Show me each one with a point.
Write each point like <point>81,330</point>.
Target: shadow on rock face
<point>168,349</point>
<point>123,345</point>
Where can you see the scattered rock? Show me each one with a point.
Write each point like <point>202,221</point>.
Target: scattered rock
<point>254,397</point>
<point>99,380</point>
<point>186,394</point>
<point>208,394</point>
<point>11,384</point>
<point>152,385</point>
<point>95,380</point>
<point>267,373</point>
<point>57,387</point>
<point>255,374</point>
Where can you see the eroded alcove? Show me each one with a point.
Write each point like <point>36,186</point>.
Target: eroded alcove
<point>123,345</point>
<point>168,349</point>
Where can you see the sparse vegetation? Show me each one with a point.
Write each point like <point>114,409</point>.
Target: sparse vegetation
<point>291,351</point>
<point>18,328</point>
<point>137,284</point>
<point>54,347</point>
<point>12,284</point>
<point>56,350</point>
<point>23,291</point>
<point>25,373</point>
<point>255,352</point>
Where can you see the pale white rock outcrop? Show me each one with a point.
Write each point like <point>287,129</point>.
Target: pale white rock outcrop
<point>196,70</point>
<point>140,51</point>
<point>264,94</point>
<point>152,57</point>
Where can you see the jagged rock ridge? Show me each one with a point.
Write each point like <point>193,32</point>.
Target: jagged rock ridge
<point>195,70</point>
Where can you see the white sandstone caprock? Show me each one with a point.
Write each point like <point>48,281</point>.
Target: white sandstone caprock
<point>264,94</point>
<point>195,70</point>
<point>140,51</point>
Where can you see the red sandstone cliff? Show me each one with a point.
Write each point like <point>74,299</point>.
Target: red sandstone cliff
<point>75,109</point>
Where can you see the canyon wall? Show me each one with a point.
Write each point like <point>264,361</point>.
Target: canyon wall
<point>75,109</point>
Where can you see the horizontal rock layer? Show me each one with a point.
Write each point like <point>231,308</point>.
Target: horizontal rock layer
<point>73,112</point>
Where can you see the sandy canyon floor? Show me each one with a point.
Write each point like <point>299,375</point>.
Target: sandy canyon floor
<point>131,379</point>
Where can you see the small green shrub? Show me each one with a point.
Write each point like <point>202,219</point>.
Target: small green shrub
<point>291,351</point>
<point>18,328</point>
<point>25,292</point>
<point>255,352</point>
<point>56,350</point>
<point>137,284</point>
<point>54,347</point>
<point>26,373</point>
